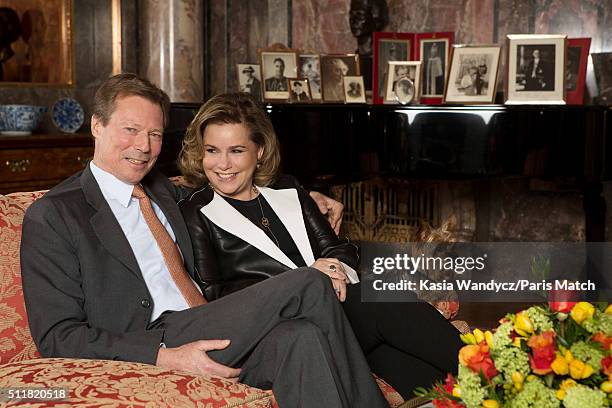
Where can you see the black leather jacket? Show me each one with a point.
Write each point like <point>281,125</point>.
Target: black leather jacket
<point>227,263</point>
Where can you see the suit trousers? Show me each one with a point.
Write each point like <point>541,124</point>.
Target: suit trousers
<point>288,333</point>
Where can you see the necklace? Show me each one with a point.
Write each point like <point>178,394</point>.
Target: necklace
<point>264,220</point>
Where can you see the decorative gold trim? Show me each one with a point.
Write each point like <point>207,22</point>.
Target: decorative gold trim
<point>116,41</point>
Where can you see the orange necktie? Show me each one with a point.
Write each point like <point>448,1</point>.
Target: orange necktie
<point>170,252</point>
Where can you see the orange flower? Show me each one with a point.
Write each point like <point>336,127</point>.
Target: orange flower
<point>602,339</point>
<point>542,352</point>
<point>478,359</point>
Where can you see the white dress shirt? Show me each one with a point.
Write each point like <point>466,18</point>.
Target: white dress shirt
<point>118,195</point>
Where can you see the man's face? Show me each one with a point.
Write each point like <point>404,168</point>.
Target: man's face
<point>536,54</point>
<point>129,144</point>
<point>279,68</point>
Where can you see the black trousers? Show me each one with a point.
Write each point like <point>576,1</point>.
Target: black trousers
<point>287,333</point>
<point>408,344</point>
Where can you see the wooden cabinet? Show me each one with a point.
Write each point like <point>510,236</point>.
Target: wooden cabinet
<point>41,161</point>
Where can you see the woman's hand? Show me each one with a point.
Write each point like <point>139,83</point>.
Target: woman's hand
<point>334,269</point>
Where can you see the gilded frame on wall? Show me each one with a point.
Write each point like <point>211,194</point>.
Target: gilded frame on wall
<point>36,47</point>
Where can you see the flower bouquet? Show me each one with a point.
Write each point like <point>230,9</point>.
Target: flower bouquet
<point>556,355</point>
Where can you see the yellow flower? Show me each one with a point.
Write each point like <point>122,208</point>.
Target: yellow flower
<point>579,370</point>
<point>489,338</point>
<point>567,384</point>
<point>457,391</point>
<point>522,324</point>
<point>560,365</point>
<point>468,338</point>
<point>517,341</point>
<point>490,403</point>
<point>608,309</point>
<point>560,394</point>
<point>582,311</point>
<point>478,335</point>
<point>606,387</point>
<point>568,356</point>
<point>518,379</point>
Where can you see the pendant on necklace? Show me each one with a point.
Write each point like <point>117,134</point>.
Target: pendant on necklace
<point>265,222</point>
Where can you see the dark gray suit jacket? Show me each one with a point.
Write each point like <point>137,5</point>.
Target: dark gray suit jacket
<point>85,294</point>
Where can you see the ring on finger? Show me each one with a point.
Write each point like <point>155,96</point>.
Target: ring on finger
<point>332,268</point>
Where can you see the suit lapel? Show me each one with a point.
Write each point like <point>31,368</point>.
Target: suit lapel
<point>105,225</point>
<point>226,217</point>
<point>286,205</point>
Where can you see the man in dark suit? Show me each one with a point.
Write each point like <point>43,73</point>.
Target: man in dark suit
<point>107,268</point>
<point>539,75</point>
<point>278,82</point>
<point>297,93</point>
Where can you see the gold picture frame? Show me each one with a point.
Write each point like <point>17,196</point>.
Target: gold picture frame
<point>41,50</point>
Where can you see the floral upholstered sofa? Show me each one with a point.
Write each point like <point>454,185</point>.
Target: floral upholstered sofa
<point>96,383</point>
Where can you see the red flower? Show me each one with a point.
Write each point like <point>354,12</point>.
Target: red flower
<point>449,384</point>
<point>563,307</point>
<point>543,352</point>
<point>562,300</point>
<point>478,359</point>
<point>606,365</point>
<point>602,339</point>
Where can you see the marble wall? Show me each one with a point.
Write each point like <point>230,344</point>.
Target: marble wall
<point>322,25</point>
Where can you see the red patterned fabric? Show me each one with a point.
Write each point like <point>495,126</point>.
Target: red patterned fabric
<point>15,340</point>
<point>99,383</point>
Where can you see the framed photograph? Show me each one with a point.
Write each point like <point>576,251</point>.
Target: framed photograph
<point>403,82</point>
<point>299,90</point>
<point>535,72</point>
<point>433,50</point>
<point>36,43</point>
<point>354,89</point>
<point>333,68</point>
<point>602,61</point>
<point>388,47</point>
<point>472,74</point>
<point>575,69</point>
<point>276,68</point>
<point>310,68</point>
<point>249,79</point>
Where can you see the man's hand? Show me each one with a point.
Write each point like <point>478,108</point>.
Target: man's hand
<point>192,357</point>
<point>330,207</point>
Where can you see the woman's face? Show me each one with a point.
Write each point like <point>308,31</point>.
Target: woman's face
<point>230,158</point>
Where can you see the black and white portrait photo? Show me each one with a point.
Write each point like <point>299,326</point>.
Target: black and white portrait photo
<point>403,81</point>
<point>310,68</point>
<point>390,50</point>
<point>299,90</point>
<point>433,57</point>
<point>473,74</point>
<point>354,89</point>
<point>535,70</point>
<point>333,69</point>
<point>276,68</point>
<point>249,80</point>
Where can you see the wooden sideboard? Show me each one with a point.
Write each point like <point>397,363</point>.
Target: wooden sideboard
<point>40,161</point>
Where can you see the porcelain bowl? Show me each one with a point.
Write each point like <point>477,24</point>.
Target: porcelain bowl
<point>19,120</point>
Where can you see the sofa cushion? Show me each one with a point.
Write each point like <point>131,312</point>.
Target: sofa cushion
<point>15,340</point>
<point>104,383</point>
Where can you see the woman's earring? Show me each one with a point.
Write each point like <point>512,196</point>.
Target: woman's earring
<point>258,165</point>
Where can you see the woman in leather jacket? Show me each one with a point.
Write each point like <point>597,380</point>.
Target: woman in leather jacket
<point>248,224</point>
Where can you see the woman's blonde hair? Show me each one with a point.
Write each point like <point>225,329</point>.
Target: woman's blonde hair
<point>230,108</point>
